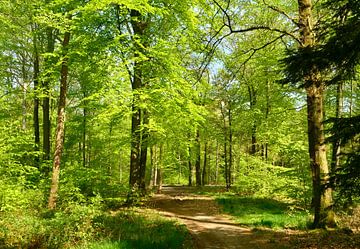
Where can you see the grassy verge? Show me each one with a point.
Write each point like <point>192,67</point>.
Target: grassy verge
<point>88,226</point>
<point>262,212</point>
<point>139,229</point>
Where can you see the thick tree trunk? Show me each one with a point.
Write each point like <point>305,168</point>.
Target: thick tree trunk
<point>137,158</point>
<point>198,159</point>
<point>59,139</point>
<point>322,194</point>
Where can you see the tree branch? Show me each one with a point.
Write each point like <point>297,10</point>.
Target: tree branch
<point>278,10</point>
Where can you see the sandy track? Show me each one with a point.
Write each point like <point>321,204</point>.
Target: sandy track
<point>209,227</point>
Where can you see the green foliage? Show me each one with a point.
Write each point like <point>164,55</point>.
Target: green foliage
<point>23,229</point>
<point>265,180</point>
<point>87,226</point>
<point>262,212</point>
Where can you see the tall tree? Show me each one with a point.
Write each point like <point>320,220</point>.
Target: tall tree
<point>60,124</point>
<point>314,85</point>
<point>137,157</point>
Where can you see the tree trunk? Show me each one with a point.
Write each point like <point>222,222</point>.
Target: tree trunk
<point>198,159</point>
<point>253,100</point>
<point>24,91</point>
<point>143,152</point>
<point>322,194</point>
<point>84,134</point>
<point>267,112</point>
<point>204,172</point>
<point>46,99</point>
<point>229,180</point>
<point>217,164</point>
<point>152,164</point>
<point>36,100</point>
<point>59,139</point>
<point>335,156</point>
<point>159,170</point>
<point>137,170</point>
<point>190,168</point>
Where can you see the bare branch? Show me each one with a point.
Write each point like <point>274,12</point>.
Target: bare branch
<point>254,28</point>
<point>277,9</point>
<point>253,52</point>
<point>227,23</point>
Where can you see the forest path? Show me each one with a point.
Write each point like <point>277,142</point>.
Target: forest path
<point>209,227</point>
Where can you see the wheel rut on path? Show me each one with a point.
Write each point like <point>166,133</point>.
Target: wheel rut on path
<point>209,227</point>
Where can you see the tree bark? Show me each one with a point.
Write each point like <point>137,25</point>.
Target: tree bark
<point>336,149</point>
<point>59,139</point>
<point>190,168</point>
<point>253,100</point>
<point>144,149</point>
<point>229,180</point>
<point>198,159</point>
<point>137,169</point>
<point>36,100</point>
<point>84,133</point>
<point>46,99</point>
<point>204,171</point>
<point>217,164</point>
<point>322,194</point>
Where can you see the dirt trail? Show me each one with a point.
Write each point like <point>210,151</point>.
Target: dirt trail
<point>209,227</point>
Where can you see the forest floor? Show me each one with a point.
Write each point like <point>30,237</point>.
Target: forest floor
<point>212,229</point>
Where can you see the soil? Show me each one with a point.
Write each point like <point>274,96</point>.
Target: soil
<point>208,226</point>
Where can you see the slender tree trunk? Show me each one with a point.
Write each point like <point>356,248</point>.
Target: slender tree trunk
<point>159,169</point>
<point>152,164</point>
<point>24,91</point>
<point>351,104</point>
<point>267,112</point>
<point>143,153</point>
<point>253,100</point>
<point>322,194</point>
<point>198,159</point>
<point>180,170</point>
<point>204,172</point>
<point>217,164</point>
<point>46,99</point>
<point>84,134</point>
<point>190,168</point>
<point>36,99</point>
<point>59,140</point>
<point>229,180</point>
<point>335,156</point>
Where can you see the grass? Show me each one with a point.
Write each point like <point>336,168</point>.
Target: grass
<point>129,229</point>
<point>82,227</point>
<point>262,212</point>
